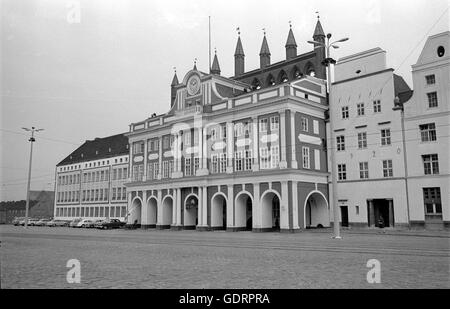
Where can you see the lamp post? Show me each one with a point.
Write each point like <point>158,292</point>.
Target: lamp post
<point>398,106</point>
<point>31,140</point>
<point>328,61</point>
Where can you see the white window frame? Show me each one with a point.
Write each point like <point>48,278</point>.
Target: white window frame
<point>274,123</point>
<point>263,123</point>
<point>306,157</point>
<point>274,156</point>
<point>305,124</point>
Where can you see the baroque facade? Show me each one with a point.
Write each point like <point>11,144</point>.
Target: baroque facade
<point>246,152</point>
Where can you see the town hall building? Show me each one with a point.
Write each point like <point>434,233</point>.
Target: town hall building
<point>246,152</point>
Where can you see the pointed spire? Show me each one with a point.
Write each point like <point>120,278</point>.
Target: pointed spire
<point>239,50</point>
<point>215,69</point>
<point>175,78</point>
<point>291,39</point>
<point>264,47</point>
<point>319,30</point>
<point>195,64</point>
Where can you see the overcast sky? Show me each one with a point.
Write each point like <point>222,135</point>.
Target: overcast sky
<point>92,78</point>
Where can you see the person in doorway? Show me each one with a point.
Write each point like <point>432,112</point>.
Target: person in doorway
<point>381,222</point>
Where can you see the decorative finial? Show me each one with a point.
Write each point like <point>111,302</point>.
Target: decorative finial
<point>318,16</point>
<point>238,30</point>
<point>264,30</point>
<point>195,61</point>
<point>175,70</point>
<point>290,24</point>
<point>215,50</point>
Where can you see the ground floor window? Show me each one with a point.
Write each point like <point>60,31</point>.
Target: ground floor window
<point>432,201</point>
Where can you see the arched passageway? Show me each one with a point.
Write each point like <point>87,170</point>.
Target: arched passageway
<point>218,212</point>
<point>134,213</point>
<point>316,211</point>
<point>243,212</point>
<point>152,211</point>
<point>167,209</point>
<point>191,212</point>
<point>270,207</point>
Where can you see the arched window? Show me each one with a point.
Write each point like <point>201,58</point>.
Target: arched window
<point>256,84</point>
<point>282,77</point>
<point>270,81</point>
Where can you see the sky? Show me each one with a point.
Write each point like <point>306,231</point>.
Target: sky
<point>86,69</point>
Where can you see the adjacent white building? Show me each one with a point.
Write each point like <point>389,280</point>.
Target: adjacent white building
<point>427,135</point>
<point>369,151</point>
<point>90,181</point>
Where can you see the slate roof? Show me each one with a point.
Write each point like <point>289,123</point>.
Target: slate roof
<point>98,148</point>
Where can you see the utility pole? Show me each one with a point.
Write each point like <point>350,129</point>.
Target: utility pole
<point>31,140</point>
<point>328,61</point>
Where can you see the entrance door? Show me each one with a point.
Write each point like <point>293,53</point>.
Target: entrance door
<point>344,216</point>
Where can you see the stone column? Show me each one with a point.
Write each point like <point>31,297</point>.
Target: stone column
<point>230,147</point>
<point>145,160</point>
<point>178,203</point>
<point>284,206</point>
<point>129,221</point>
<point>230,207</point>
<point>174,208</point>
<point>144,210</point>
<point>294,163</point>
<point>200,208</point>
<point>204,197</point>
<point>178,173</point>
<point>391,213</point>
<point>255,166</point>
<point>202,152</point>
<point>256,208</point>
<point>160,158</point>
<point>295,225</point>
<point>282,134</point>
<point>371,214</point>
<point>159,220</point>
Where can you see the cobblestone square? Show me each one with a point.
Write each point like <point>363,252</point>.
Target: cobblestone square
<point>36,258</point>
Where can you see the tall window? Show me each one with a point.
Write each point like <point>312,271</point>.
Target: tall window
<point>305,124</point>
<point>377,106</point>
<point>274,156</point>
<point>428,132</point>
<point>430,79</point>
<point>150,171</point>
<point>214,164</point>
<point>360,109</point>
<point>263,125</point>
<point>340,142</point>
<point>342,172</point>
<point>388,170</point>
<point>213,134</point>
<point>238,129</point>
<point>187,138</point>
<point>196,164</point>
<point>165,169</point>
<point>264,155</point>
<point>155,170</point>
<point>187,167</point>
<point>385,137</point>
<point>223,163</point>
<point>166,142</point>
<point>223,131</point>
<point>248,128</point>
<point>362,140</point>
<point>138,147</point>
<point>432,201</point>
<point>430,164</point>
<point>274,123</point>
<point>238,164</point>
<point>432,99</point>
<point>247,160</point>
<point>363,170</point>
<point>305,157</point>
<point>345,112</point>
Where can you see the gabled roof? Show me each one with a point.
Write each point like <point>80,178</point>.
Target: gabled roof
<point>98,148</point>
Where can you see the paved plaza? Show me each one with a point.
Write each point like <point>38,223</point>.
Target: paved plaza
<point>36,258</point>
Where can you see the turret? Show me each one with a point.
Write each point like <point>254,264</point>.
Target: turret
<point>173,91</point>
<point>264,54</point>
<point>239,58</point>
<point>291,45</point>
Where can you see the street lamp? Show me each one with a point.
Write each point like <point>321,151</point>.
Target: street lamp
<point>398,106</point>
<point>328,61</point>
<point>31,140</point>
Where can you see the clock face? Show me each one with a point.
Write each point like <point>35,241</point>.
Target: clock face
<point>193,85</point>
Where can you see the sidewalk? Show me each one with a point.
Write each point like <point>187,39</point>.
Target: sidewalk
<point>388,231</point>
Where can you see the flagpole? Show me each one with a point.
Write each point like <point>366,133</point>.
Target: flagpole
<point>209,27</point>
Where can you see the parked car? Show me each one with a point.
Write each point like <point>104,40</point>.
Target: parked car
<point>16,220</point>
<point>110,224</point>
<point>84,223</point>
<point>74,222</point>
<point>32,221</point>
<point>93,223</point>
<point>57,223</point>
<point>42,222</point>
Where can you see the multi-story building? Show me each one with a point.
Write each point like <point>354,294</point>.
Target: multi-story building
<point>90,181</point>
<point>369,151</point>
<point>427,121</point>
<point>237,153</point>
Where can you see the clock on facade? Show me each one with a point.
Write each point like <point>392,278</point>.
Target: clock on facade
<point>193,85</point>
